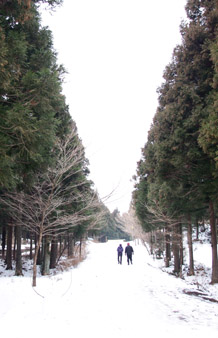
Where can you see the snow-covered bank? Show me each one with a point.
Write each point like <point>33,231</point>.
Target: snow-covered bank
<point>201,281</point>
<point>103,299</point>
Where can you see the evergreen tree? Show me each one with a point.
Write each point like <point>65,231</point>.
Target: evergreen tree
<point>179,158</point>
<point>30,98</point>
<point>33,116</point>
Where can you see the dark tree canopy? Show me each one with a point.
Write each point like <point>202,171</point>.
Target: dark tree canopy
<point>43,171</point>
<point>177,175</point>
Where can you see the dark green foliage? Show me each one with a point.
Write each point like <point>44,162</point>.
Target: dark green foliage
<point>21,10</point>
<point>208,137</point>
<point>31,103</point>
<point>177,175</point>
<point>37,168</point>
<point>175,166</point>
<point>111,226</point>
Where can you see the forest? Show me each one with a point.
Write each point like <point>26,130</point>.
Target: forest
<point>46,196</point>
<point>176,185</point>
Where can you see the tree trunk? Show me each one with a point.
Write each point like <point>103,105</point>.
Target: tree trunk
<point>213,244</point>
<point>3,242</point>
<point>203,229</point>
<point>9,248</point>
<point>35,259</point>
<point>46,256</point>
<point>70,245</point>
<point>14,244</point>
<point>80,247</point>
<point>181,245</point>
<point>31,246</point>
<point>190,248</point>
<point>54,253</point>
<point>168,248</point>
<point>60,246</point>
<point>18,271</point>
<point>197,229</point>
<point>151,243</point>
<point>176,249</point>
<point>39,255</point>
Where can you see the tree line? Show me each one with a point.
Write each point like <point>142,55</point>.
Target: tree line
<point>45,194</point>
<point>177,176</point>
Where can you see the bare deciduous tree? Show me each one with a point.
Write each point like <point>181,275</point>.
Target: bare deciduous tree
<point>59,199</point>
<point>129,223</point>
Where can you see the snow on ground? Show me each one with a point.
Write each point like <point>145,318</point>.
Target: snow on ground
<point>101,298</point>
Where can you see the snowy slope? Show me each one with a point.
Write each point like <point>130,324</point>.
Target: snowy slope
<point>103,299</point>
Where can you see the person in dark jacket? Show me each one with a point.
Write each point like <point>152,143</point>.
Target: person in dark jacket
<point>120,253</point>
<point>129,251</point>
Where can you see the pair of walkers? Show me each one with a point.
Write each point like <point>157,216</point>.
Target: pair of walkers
<point>128,251</point>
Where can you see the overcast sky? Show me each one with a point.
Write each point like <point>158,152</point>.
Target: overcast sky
<point>115,52</point>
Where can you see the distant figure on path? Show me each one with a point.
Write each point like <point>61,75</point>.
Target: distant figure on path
<point>129,251</point>
<point>120,253</point>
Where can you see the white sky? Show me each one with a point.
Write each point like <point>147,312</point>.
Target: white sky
<point>115,52</point>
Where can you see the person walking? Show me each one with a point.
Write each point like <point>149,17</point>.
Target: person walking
<point>120,253</point>
<point>129,252</point>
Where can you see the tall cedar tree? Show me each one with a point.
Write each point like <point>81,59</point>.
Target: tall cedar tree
<point>32,108</point>
<point>179,159</point>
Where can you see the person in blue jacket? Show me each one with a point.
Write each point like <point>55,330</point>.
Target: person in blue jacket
<point>129,251</point>
<point>120,253</point>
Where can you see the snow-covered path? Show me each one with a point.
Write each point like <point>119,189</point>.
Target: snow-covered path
<point>103,299</point>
